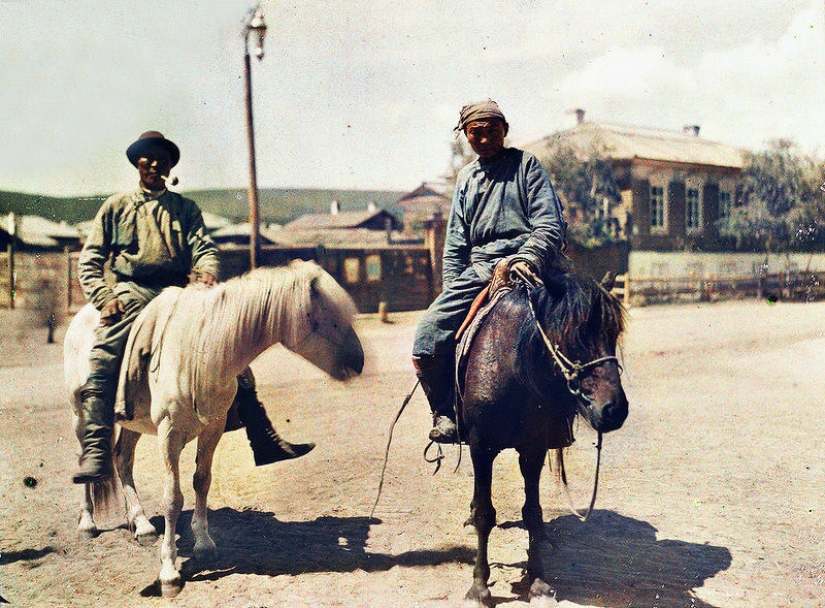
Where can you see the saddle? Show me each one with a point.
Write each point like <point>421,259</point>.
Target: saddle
<point>144,340</point>
<point>562,435</point>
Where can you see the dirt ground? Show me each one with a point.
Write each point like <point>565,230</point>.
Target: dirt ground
<point>713,493</point>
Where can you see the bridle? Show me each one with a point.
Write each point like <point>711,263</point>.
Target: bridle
<point>571,370</point>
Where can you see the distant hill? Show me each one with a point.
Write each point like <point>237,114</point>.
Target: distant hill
<point>277,205</point>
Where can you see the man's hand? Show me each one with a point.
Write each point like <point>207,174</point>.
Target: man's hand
<point>111,312</point>
<point>522,270</point>
<point>206,278</point>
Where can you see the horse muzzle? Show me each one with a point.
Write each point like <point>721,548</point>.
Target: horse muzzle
<point>605,416</point>
<point>351,356</point>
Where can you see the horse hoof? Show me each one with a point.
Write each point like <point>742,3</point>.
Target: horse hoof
<point>542,595</point>
<point>171,589</point>
<point>146,539</point>
<point>86,533</point>
<point>206,555</point>
<point>478,597</point>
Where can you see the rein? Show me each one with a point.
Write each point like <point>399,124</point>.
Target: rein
<point>572,371</point>
<point>563,475</point>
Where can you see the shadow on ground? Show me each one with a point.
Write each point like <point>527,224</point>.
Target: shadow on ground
<point>613,560</point>
<point>255,542</point>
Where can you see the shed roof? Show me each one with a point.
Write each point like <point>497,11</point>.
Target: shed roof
<point>345,220</point>
<point>427,190</point>
<point>39,231</point>
<point>627,143</point>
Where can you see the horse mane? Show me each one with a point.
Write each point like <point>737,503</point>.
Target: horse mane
<point>256,309</point>
<point>577,313</point>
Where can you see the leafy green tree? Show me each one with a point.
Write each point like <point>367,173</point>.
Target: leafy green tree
<point>587,186</point>
<point>781,207</point>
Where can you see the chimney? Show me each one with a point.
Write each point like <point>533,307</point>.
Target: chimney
<point>334,208</point>
<point>691,130</point>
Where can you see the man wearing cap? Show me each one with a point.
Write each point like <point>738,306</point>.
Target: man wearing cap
<point>504,207</point>
<point>154,239</point>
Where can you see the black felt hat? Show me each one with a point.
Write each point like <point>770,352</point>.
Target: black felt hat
<point>135,151</point>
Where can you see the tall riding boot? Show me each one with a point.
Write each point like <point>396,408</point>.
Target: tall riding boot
<point>267,445</point>
<point>437,376</point>
<point>96,460</point>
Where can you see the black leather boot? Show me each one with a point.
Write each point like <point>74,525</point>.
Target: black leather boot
<point>267,445</point>
<point>96,459</point>
<point>436,374</point>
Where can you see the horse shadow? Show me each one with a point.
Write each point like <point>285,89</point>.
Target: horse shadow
<point>613,560</point>
<point>255,542</point>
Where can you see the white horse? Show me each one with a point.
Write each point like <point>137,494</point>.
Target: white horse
<point>185,350</point>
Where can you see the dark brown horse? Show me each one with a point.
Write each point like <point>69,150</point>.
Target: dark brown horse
<point>539,357</point>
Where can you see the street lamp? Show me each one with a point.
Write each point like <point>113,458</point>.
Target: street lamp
<point>254,28</point>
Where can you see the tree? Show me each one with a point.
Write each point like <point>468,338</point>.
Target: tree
<point>781,207</point>
<point>587,186</point>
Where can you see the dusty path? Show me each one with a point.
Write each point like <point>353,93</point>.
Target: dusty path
<point>713,494</point>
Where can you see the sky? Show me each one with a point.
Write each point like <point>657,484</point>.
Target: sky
<point>364,94</point>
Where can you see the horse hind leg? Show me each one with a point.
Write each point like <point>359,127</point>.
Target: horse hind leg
<point>144,532</point>
<point>205,549</point>
<point>483,516</point>
<point>531,461</point>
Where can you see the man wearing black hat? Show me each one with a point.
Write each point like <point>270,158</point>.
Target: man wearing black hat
<point>154,239</point>
<point>504,208</point>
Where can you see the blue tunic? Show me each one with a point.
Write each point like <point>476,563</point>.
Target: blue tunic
<point>502,208</point>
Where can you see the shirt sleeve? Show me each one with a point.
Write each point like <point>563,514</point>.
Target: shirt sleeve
<point>457,242</point>
<point>545,214</point>
<point>204,251</point>
<point>96,251</point>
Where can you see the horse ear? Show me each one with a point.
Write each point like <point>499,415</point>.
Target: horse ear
<point>609,280</point>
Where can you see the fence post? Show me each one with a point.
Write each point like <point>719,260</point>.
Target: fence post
<point>627,290</point>
<point>68,279</point>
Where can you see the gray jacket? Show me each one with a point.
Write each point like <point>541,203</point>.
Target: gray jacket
<point>502,208</point>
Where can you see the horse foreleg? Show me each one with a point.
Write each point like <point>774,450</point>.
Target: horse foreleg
<point>170,443</point>
<point>205,549</point>
<point>531,461</point>
<point>484,519</point>
<point>86,527</point>
<point>144,532</point>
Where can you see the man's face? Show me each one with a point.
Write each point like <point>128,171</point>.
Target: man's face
<point>486,137</point>
<point>153,165</point>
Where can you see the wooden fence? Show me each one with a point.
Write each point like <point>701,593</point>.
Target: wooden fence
<point>47,282</point>
<point>788,286</point>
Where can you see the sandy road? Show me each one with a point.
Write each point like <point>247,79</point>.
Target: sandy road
<point>713,494</point>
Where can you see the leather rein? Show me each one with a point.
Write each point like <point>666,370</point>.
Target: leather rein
<point>572,371</point>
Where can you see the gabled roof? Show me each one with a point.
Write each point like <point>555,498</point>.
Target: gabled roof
<point>345,220</point>
<point>241,231</point>
<point>427,190</point>
<point>627,143</point>
<point>38,231</point>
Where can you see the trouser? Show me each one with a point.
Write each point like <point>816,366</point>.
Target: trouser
<point>110,341</point>
<point>435,334</point>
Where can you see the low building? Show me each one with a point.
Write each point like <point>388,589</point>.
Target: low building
<point>674,185</point>
<point>420,205</point>
<point>35,233</point>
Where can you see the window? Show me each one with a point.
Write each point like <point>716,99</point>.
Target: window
<point>693,220</point>
<point>352,270</point>
<point>373,268</point>
<point>657,207</point>
<point>724,203</point>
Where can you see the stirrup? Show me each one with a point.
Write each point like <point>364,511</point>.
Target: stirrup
<point>444,430</point>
